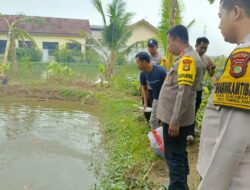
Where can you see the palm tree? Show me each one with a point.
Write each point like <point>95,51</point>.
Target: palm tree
<point>15,33</point>
<point>115,33</point>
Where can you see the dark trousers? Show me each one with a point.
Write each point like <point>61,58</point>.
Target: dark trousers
<point>177,158</point>
<point>198,101</point>
<point>197,106</point>
<point>150,102</point>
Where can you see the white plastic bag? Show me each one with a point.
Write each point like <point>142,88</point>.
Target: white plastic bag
<point>156,141</point>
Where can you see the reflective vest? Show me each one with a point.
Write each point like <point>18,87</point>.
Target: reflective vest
<point>232,89</point>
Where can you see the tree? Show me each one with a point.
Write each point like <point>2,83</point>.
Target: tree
<point>15,33</point>
<point>116,33</point>
<point>171,15</point>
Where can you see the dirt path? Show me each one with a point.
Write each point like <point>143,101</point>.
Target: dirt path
<point>158,174</point>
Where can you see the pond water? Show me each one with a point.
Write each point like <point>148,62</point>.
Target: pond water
<point>46,146</point>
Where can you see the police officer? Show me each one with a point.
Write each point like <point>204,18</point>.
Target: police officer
<point>229,164</point>
<point>206,66</point>
<point>155,57</point>
<point>176,108</point>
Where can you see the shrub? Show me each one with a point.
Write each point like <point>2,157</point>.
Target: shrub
<point>4,69</point>
<point>127,83</point>
<point>92,57</point>
<point>65,55</point>
<point>60,72</point>
<point>30,54</point>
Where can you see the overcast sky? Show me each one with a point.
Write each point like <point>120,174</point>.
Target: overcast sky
<point>206,15</point>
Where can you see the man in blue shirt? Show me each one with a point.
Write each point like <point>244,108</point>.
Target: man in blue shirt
<point>154,76</point>
<point>155,59</point>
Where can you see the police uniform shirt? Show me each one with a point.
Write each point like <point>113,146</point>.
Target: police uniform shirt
<point>178,93</point>
<point>205,61</point>
<point>155,60</point>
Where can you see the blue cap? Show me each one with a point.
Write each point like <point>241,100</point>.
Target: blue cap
<point>152,42</point>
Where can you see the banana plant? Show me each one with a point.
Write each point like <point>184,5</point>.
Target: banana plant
<point>60,72</point>
<point>101,69</point>
<point>3,72</point>
<point>171,15</point>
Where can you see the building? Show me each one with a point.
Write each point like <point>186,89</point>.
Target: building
<point>141,31</point>
<point>54,33</point>
<point>58,32</point>
<point>96,31</point>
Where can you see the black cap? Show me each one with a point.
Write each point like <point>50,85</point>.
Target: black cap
<point>152,42</point>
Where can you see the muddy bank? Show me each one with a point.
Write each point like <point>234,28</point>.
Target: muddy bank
<point>48,93</point>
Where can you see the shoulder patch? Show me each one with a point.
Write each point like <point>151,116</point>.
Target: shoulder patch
<point>186,64</point>
<point>239,64</point>
<point>186,71</point>
<point>232,89</point>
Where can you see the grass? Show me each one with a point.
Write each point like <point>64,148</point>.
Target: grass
<point>71,94</point>
<point>125,134</point>
<point>126,141</point>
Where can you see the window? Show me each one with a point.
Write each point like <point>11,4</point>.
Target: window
<point>2,46</point>
<point>74,46</point>
<point>51,46</point>
<point>23,44</point>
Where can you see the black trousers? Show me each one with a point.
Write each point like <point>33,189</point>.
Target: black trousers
<point>177,158</point>
<point>198,101</point>
<point>197,106</point>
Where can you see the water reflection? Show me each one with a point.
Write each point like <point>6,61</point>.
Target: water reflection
<point>38,141</point>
